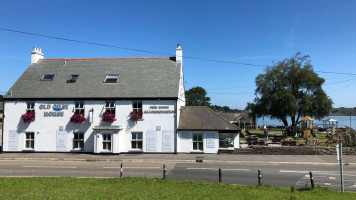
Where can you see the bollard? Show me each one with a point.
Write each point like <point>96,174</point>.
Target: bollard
<point>121,170</point>
<point>164,171</point>
<point>259,177</point>
<point>311,180</point>
<point>219,175</point>
<point>292,189</point>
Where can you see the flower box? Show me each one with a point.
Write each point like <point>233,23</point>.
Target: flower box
<point>77,118</point>
<point>136,115</point>
<point>29,117</point>
<point>108,117</point>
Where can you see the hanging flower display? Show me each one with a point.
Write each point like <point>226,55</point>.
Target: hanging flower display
<point>28,117</point>
<point>77,118</point>
<point>108,117</point>
<point>136,115</point>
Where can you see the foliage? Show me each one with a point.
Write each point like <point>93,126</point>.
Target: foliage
<point>223,109</point>
<point>290,89</point>
<point>196,96</point>
<point>29,117</point>
<point>343,111</point>
<point>108,117</point>
<point>136,115</point>
<point>145,188</point>
<point>77,118</point>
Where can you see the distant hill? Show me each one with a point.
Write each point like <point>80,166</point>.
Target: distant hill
<point>223,109</point>
<point>342,111</point>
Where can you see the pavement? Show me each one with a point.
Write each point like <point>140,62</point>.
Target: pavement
<point>184,158</point>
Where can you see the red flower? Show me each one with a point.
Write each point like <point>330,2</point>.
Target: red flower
<point>77,118</point>
<point>108,117</point>
<point>29,117</point>
<point>136,115</point>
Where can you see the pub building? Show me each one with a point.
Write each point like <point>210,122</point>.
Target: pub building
<point>109,105</point>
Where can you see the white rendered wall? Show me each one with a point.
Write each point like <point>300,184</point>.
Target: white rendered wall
<point>45,128</point>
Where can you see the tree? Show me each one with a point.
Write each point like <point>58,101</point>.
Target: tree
<point>290,89</point>
<point>196,96</point>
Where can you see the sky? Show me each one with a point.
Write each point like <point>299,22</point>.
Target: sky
<point>253,32</point>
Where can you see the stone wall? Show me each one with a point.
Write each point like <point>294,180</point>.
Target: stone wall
<point>295,150</point>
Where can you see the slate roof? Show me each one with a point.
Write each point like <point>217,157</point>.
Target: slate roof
<point>202,118</point>
<point>138,78</point>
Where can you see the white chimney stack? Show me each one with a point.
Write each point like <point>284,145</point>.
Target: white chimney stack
<point>179,54</point>
<point>36,54</point>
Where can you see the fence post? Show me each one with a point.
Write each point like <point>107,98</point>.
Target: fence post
<point>121,170</point>
<point>311,179</point>
<point>164,171</point>
<point>219,175</point>
<point>259,176</point>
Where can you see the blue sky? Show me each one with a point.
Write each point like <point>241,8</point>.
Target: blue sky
<point>256,32</point>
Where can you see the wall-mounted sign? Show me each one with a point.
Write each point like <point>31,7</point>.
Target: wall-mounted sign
<point>210,140</point>
<point>167,141</point>
<point>61,140</point>
<point>159,110</point>
<point>56,108</point>
<point>151,141</point>
<point>13,141</point>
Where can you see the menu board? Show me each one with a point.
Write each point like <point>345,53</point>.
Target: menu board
<point>13,140</point>
<point>61,141</point>
<point>151,141</point>
<point>167,140</point>
<point>210,140</point>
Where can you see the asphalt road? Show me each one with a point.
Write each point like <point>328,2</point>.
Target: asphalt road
<point>276,174</point>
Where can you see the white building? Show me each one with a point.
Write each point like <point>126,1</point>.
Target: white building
<point>95,104</point>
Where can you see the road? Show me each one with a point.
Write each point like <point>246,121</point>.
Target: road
<point>275,174</point>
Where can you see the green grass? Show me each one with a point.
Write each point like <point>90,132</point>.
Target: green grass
<point>143,188</point>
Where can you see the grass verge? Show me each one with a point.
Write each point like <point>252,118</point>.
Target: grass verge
<point>144,188</point>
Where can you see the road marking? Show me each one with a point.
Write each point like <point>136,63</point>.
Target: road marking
<point>221,169</point>
<point>48,167</point>
<point>332,178</point>
<point>132,167</point>
<point>290,171</point>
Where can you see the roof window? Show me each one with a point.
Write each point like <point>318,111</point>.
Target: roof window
<point>73,78</point>
<point>111,78</point>
<point>48,77</point>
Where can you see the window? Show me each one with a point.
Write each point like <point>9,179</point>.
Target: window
<point>137,105</point>
<point>111,78</point>
<point>107,142</point>
<point>226,140</point>
<point>136,141</point>
<point>110,107</point>
<point>73,78</point>
<point>30,141</point>
<point>198,141</point>
<point>78,141</point>
<point>48,77</point>
<point>30,107</point>
<point>79,107</point>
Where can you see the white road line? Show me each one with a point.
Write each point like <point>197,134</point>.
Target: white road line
<point>132,167</point>
<point>290,171</point>
<point>48,167</point>
<point>221,169</point>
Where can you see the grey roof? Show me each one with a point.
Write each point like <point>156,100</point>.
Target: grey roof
<point>203,118</point>
<point>138,78</point>
<point>231,117</point>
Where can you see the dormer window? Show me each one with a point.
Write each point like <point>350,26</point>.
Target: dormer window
<point>48,77</point>
<point>73,78</point>
<point>111,78</point>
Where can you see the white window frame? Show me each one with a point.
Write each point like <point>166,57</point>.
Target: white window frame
<point>226,140</point>
<point>30,106</point>
<point>48,79</point>
<point>30,139</point>
<point>110,106</point>
<point>79,107</point>
<point>107,141</point>
<point>198,142</point>
<point>111,77</point>
<point>136,105</point>
<point>135,139</point>
<point>77,140</point>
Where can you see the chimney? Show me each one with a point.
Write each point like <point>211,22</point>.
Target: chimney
<point>36,54</point>
<point>179,54</point>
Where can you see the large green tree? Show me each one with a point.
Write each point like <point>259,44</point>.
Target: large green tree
<point>290,89</point>
<point>196,96</point>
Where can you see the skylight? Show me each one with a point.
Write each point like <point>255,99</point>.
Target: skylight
<point>48,77</point>
<point>73,78</point>
<point>111,78</point>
